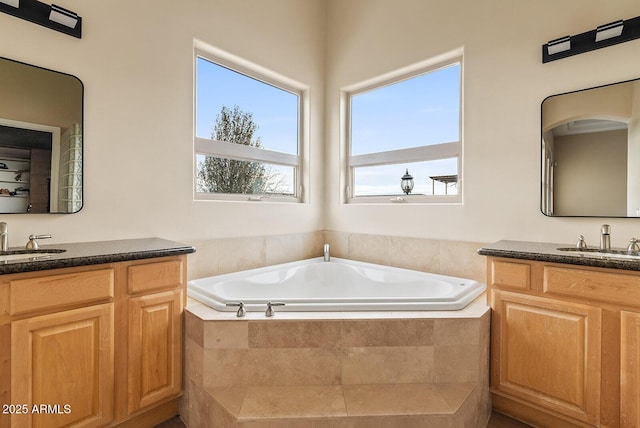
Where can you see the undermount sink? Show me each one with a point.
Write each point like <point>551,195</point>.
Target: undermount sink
<point>28,255</point>
<point>603,254</point>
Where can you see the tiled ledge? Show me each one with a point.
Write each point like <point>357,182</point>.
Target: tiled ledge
<point>343,406</point>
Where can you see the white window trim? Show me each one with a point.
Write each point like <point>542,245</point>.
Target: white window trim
<point>413,154</point>
<point>204,146</point>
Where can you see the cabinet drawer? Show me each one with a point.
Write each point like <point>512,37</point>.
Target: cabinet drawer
<point>154,276</point>
<point>54,291</point>
<point>593,285</point>
<point>510,275</point>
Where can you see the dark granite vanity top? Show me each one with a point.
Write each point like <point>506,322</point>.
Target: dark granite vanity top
<point>548,252</point>
<point>92,253</point>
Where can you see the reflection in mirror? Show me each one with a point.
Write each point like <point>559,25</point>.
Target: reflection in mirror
<point>591,152</point>
<point>40,140</point>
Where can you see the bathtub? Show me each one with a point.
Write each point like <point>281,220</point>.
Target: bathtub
<point>337,285</point>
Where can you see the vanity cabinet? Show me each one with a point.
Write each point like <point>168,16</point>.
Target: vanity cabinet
<point>92,346</point>
<point>565,343</point>
<point>630,369</point>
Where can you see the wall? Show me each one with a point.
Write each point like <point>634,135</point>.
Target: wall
<point>590,176</point>
<point>136,62</point>
<point>504,85</point>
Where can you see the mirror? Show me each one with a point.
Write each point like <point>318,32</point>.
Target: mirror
<point>591,152</point>
<point>41,117</point>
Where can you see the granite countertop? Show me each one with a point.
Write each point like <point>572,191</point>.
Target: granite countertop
<point>548,252</point>
<point>92,253</point>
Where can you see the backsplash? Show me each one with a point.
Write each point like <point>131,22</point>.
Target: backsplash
<point>453,258</point>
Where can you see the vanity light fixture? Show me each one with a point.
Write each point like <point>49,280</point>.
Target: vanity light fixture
<point>14,3</point>
<point>605,35</point>
<point>63,16</point>
<point>50,16</point>
<point>607,31</point>
<point>559,45</point>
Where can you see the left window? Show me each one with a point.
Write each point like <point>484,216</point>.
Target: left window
<point>248,131</point>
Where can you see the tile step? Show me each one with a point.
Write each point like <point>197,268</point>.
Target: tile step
<point>336,404</point>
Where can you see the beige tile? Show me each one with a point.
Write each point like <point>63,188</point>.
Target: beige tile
<point>193,327</point>
<point>370,248</point>
<point>394,399</point>
<point>338,242</point>
<point>284,248</point>
<point>219,417</point>
<point>226,334</point>
<point>403,421</point>
<point>452,331</point>
<point>401,364</point>
<point>230,398</point>
<point>271,366</point>
<point>294,334</point>
<point>313,243</point>
<point>455,393</point>
<point>415,253</point>
<point>236,254</point>
<point>293,401</point>
<point>311,422</point>
<point>204,262</point>
<point>194,405</point>
<point>458,258</point>
<point>401,332</point>
<point>456,363</point>
<point>193,361</point>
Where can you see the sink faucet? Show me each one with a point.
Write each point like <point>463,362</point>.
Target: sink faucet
<point>605,237</point>
<point>4,236</point>
<point>327,257</point>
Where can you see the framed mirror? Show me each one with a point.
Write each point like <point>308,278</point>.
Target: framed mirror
<point>590,158</point>
<point>41,140</point>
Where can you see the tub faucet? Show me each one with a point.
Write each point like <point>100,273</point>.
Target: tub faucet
<point>4,236</point>
<point>605,237</point>
<point>327,257</point>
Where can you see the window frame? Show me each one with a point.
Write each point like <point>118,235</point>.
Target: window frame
<point>444,150</point>
<point>223,149</point>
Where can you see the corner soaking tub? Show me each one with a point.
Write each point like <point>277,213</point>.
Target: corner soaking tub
<point>337,285</point>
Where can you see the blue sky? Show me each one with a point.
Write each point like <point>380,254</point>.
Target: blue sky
<point>274,110</point>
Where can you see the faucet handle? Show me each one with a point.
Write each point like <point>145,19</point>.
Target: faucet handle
<point>240,305</point>
<point>269,312</point>
<point>33,244</point>
<point>633,245</point>
<point>581,244</point>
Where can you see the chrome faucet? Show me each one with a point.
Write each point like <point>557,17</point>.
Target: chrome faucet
<point>4,236</point>
<point>605,237</point>
<point>327,257</point>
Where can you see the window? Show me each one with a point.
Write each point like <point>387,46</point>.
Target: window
<point>247,131</point>
<point>408,121</point>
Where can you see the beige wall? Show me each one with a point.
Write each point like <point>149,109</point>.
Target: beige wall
<point>504,85</point>
<point>135,60</point>
<point>590,175</point>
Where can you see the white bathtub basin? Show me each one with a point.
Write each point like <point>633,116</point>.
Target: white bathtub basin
<point>338,285</point>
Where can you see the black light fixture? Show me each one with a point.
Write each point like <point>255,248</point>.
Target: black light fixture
<point>50,16</point>
<point>604,35</point>
<point>406,182</point>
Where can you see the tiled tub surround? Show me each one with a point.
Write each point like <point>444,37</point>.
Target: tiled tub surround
<point>451,258</point>
<point>349,369</point>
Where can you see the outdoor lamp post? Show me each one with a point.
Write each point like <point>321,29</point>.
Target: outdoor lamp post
<point>406,182</point>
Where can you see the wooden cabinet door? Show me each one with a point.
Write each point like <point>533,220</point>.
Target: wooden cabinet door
<point>155,354</point>
<point>547,352</point>
<point>630,370</point>
<point>62,368</point>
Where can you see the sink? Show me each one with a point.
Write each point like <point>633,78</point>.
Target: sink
<point>603,254</point>
<point>28,255</point>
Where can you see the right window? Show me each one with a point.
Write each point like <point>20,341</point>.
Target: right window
<point>407,125</point>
